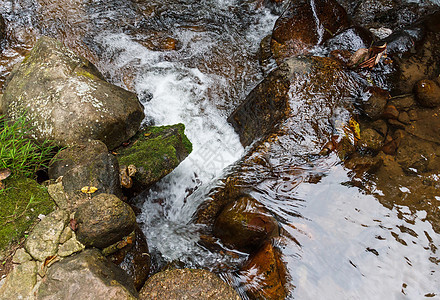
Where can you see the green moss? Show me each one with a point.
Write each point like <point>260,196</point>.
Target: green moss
<point>21,202</point>
<point>156,151</point>
<point>82,72</point>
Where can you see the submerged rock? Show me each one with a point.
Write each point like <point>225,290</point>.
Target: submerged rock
<point>428,93</point>
<point>86,164</point>
<point>305,24</point>
<point>187,284</point>
<point>44,239</point>
<point>103,221</point>
<point>67,100</point>
<point>264,275</point>
<point>155,152</point>
<point>87,275</point>
<point>2,31</point>
<point>245,225</point>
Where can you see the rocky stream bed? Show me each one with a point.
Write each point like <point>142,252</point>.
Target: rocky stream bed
<point>223,149</point>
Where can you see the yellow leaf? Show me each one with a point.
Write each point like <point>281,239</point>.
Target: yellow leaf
<point>354,126</point>
<point>89,189</point>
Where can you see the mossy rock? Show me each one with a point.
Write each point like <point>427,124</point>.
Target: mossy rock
<point>21,202</point>
<point>155,151</point>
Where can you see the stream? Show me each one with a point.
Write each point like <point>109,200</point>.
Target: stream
<point>348,243</point>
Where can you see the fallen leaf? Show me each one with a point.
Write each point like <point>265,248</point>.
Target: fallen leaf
<point>49,259</point>
<point>354,126</point>
<point>89,189</point>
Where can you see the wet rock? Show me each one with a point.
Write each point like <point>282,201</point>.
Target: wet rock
<point>428,93</point>
<point>86,164</point>
<point>2,31</point>
<point>103,221</point>
<point>160,41</point>
<point>361,164</point>
<point>265,275</point>
<point>132,256</point>
<point>351,39</point>
<point>87,275</point>
<point>187,284</point>
<point>265,54</point>
<point>67,99</point>
<point>22,202</point>
<point>20,282</point>
<point>305,24</point>
<point>371,139</point>
<point>268,103</point>
<point>376,100</point>
<point>245,225</point>
<point>155,152</point>
<point>44,239</point>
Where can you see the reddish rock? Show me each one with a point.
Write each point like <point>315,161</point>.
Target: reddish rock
<point>245,225</point>
<point>305,24</point>
<point>133,257</point>
<point>390,112</point>
<point>265,274</point>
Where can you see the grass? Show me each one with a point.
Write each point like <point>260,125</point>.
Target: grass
<point>18,152</point>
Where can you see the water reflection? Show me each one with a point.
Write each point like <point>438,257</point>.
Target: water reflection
<point>357,248</point>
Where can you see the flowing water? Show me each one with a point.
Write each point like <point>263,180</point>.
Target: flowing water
<point>350,242</point>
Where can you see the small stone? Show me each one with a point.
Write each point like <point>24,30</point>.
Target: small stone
<point>396,123</point>
<point>56,191</point>
<point>412,114</point>
<point>380,126</point>
<point>66,235</point>
<point>70,247</point>
<point>371,139</point>
<point>44,238</point>
<point>20,282</point>
<point>390,112</point>
<point>375,103</point>
<point>428,93</point>
<point>404,118</point>
<point>21,256</point>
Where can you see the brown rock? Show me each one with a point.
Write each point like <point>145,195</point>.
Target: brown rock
<point>376,101</point>
<point>371,139</point>
<point>265,274</point>
<point>187,284</point>
<point>134,258</point>
<point>103,221</point>
<point>245,225</point>
<point>428,93</point>
<point>297,30</point>
<point>390,112</point>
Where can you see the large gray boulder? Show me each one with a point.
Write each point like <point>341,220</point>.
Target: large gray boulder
<point>103,221</point>
<point>68,100</point>
<point>87,275</point>
<point>187,284</point>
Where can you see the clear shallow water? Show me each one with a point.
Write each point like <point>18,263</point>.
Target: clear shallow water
<point>350,245</point>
